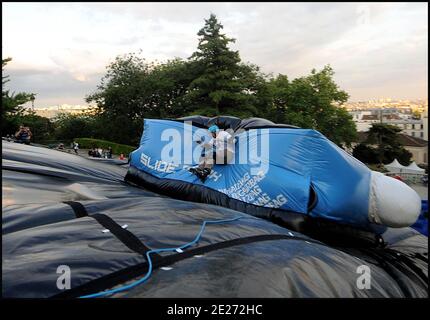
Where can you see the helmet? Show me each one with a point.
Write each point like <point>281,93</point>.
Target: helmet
<point>213,129</point>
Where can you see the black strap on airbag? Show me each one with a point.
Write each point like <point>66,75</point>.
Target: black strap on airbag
<point>126,274</point>
<point>78,208</point>
<point>126,237</point>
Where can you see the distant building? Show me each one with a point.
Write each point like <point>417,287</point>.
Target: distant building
<point>424,117</point>
<point>364,119</point>
<point>417,146</point>
<point>52,112</point>
<point>411,127</point>
<point>403,106</point>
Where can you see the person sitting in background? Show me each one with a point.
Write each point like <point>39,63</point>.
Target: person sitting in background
<point>109,153</point>
<point>95,152</point>
<point>23,135</point>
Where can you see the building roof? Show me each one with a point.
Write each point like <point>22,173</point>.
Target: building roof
<point>404,139</point>
<point>370,117</point>
<point>412,141</point>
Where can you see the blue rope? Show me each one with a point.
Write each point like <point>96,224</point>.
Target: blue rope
<point>148,258</point>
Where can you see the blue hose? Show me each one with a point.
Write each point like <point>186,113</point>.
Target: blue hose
<point>148,258</point>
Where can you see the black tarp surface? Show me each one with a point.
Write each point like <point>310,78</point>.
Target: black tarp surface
<point>56,207</point>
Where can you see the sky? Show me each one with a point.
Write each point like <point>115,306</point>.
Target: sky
<point>60,50</point>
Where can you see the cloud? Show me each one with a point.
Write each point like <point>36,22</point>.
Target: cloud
<point>53,87</point>
<point>60,50</point>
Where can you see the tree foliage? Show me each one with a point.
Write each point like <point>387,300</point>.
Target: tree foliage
<point>133,89</point>
<point>71,126</point>
<point>313,102</point>
<point>385,138</point>
<point>42,128</point>
<point>12,103</point>
<point>224,84</point>
<point>366,154</point>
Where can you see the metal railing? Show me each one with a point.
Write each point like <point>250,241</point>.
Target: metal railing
<point>407,177</point>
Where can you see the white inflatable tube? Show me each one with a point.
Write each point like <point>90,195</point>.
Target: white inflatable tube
<point>392,202</point>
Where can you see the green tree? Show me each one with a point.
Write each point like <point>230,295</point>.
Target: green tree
<point>225,85</point>
<point>133,89</point>
<point>382,146</point>
<point>12,104</point>
<point>365,153</point>
<point>122,97</point>
<point>42,128</point>
<point>169,84</point>
<point>120,91</point>
<point>69,126</point>
<point>388,146</point>
<point>313,102</point>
